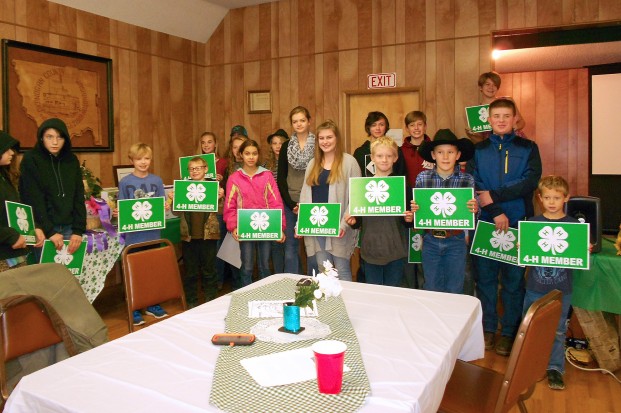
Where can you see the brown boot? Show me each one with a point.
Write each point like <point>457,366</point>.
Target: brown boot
<point>504,346</point>
<point>490,340</point>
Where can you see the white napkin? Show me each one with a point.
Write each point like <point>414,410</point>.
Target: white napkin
<point>286,367</point>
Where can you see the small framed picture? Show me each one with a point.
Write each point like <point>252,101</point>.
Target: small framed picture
<point>259,101</point>
<point>121,171</point>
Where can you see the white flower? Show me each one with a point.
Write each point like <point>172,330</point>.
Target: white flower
<point>502,240</point>
<point>318,294</point>
<point>22,221</point>
<point>377,192</point>
<point>553,239</point>
<point>142,210</point>
<point>319,216</point>
<point>259,221</point>
<point>63,257</point>
<point>443,204</point>
<point>196,192</point>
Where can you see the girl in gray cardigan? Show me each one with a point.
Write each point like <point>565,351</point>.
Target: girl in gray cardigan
<point>327,180</point>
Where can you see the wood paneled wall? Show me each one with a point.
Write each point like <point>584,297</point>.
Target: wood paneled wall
<point>307,52</point>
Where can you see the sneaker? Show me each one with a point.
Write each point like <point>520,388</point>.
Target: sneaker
<point>555,380</point>
<point>156,311</point>
<point>504,346</point>
<point>138,320</point>
<point>490,340</point>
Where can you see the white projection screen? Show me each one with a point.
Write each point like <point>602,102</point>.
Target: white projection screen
<point>606,129</point>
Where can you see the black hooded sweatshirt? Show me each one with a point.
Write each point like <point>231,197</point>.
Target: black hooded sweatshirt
<point>52,185</point>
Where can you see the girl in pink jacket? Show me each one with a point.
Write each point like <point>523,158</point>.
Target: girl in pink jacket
<point>251,187</point>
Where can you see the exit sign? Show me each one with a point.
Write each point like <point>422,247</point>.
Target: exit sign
<point>381,80</point>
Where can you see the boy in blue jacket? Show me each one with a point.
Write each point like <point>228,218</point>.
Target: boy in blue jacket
<point>506,170</point>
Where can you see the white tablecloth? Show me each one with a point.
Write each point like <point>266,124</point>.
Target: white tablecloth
<point>409,340</point>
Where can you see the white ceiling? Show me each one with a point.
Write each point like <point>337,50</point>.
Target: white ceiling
<point>190,19</point>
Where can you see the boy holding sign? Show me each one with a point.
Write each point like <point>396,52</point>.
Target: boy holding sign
<point>553,192</point>
<point>200,232</point>
<point>506,169</point>
<point>444,251</point>
<point>383,240</point>
<point>12,241</point>
<point>142,184</point>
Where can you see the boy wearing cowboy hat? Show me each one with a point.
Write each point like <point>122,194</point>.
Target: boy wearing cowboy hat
<point>444,251</point>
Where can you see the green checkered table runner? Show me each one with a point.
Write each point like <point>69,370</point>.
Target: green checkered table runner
<point>234,390</point>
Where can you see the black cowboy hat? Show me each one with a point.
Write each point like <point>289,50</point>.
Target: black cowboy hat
<point>447,137</point>
<point>279,132</point>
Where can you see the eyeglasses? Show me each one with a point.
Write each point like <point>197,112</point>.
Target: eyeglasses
<point>196,168</point>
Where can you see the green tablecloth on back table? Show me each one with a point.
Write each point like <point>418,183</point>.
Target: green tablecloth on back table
<point>599,289</point>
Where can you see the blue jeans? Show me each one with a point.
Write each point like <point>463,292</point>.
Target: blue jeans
<point>249,251</point>
<point>278,257</point>
<point>557,357</point>
<point>312,264</point>
<point>388,274</point>
<point>220,264</point>
<point>512,294</point>
<point>444,263</point>
<point>292,244</point>
<point>342,265</point>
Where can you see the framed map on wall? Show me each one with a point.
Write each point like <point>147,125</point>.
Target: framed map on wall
<point>41,82</point>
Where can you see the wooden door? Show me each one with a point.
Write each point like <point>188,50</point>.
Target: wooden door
<point>394,103</point>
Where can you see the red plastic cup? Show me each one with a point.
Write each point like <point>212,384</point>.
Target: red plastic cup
<point>329,358</point>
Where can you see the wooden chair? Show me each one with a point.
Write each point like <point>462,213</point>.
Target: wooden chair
<point>478,389</point>
<point>28,323</point>
<point>151,276</point>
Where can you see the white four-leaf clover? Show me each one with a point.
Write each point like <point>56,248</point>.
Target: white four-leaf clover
<point>63,257</point>
<point>142,210</point>
<point>377,191</point>
<point>483,114</point>
<point>259,221</point>
<point>22,221</point>
<point>503,241</point>
<point>196,192</point>
<point>553,239</point>
<point>417,242</point>
<point>319,215</point>
<point>443,204</point>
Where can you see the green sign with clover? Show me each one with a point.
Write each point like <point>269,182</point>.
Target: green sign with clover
<point>495,245</point>
<point>141,214</point>
<point>198,196</point>
<point>319,220</point>
<point>259,224</point>
<point>415,237</point>
<point>184,162</point>
<point>74,262</point>
<point>478,118</point>
<point>377,196</point>
<point>443,208</point>
<point>554,244</point>
<point>19,217</point>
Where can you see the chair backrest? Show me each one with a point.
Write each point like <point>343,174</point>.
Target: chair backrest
<point>151,275</point>
<point>28,323</point>
<point>531,350</point>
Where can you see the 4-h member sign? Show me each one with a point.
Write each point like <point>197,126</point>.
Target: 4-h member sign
<point>141,214</point>
<point>319,220</point>
<point>73,262</point>
<point>415,237</point>
<point>19,217</point>
<point>377,196</point>
<point>495,245</point>
<point>477,118</point>
<point>259,224</point>
<point>554,244</point>
<point>443,208</point>
<point>198,196</point>
<point>210,158</point>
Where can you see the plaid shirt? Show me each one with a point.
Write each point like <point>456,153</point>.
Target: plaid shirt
<point>431,179</point>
